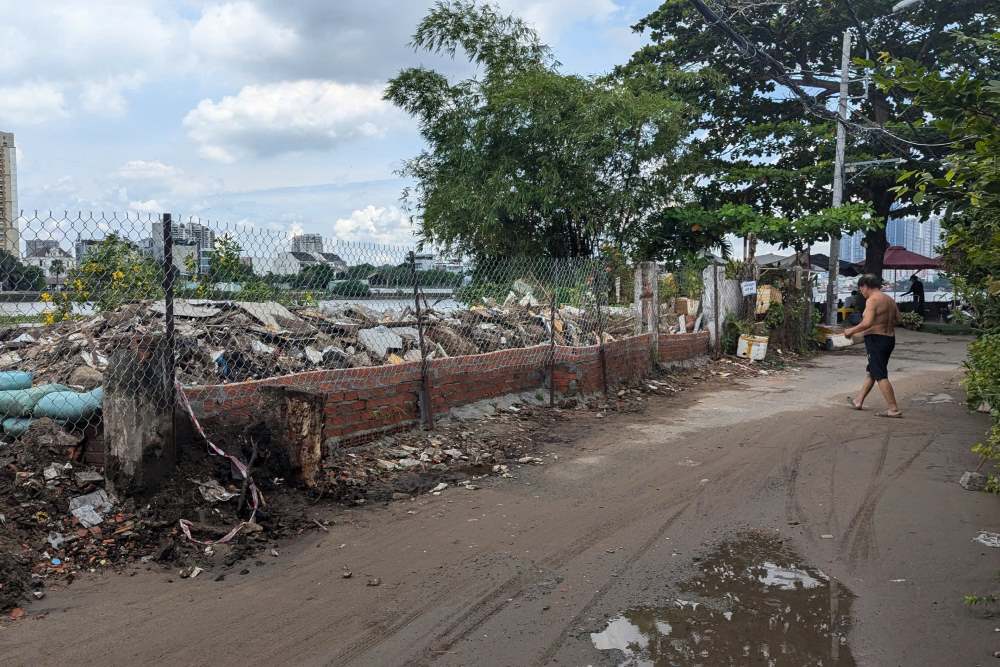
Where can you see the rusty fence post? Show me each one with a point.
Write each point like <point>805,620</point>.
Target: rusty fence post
<point>424,402</point>
<point>602,293</point>
<point>552,335</point>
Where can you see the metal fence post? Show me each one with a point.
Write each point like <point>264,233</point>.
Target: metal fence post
<point>602,293</point>
<point>168,302</point>
<point>552,337</point>
<point>717,309</point>
<point>426,409</point>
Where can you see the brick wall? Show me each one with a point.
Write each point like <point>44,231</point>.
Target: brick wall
<point>361,402</point>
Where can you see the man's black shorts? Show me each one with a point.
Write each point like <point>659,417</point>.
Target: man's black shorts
<point>879,348</point>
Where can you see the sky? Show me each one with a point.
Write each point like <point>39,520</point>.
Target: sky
<point>260,112</point>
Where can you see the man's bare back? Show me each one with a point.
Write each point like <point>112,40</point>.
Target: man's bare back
<point>884,316</point>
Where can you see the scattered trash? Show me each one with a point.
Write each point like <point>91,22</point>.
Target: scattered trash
<point>374,581</point>
<point>90,509</point>
<point>274,552</point>
<point>827,536</point>
<point>988,539</point>
<point>214,492</point>
<point>346,574</point>
<point>16,613</point>
<point>530,460</point>
<point>973,481</point>
<point>439,488</point>
<point>55,540</point>
<point>88,477</point>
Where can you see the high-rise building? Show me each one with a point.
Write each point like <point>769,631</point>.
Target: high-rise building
<point>922,238</point>
<point>192,240</point>
<point>851,249</point>
<point>9,235</point>
<point>307,243</point>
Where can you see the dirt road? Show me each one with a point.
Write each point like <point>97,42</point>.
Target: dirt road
<point>737,525</point>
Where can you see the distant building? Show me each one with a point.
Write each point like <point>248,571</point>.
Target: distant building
<point>9,235</point>
<point>922,238</point>
<point>82,247</point>
<point>424,261</point>
<point>51,258</point>
<point>428,261</point>
<point>851,249</point>
<point>192,241</point>
<point>292,262</point>
<point>307,243</point>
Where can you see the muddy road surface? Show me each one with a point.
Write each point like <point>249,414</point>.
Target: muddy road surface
<point>758,523</point>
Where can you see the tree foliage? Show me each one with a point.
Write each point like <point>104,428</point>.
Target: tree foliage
<point>759,145</point>
<point>113,272</point>
<point>683,232</point>
<point>524,159</point>
<point>16,276</point>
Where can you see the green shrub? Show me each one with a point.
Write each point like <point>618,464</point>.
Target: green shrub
<point>982,385</point>
<point>911,320</point>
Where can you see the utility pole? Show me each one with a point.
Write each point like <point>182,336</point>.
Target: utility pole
<point>838,179</point>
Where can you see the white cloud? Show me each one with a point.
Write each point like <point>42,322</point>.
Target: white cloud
<point>148,206</point>
<point>145,170</point>
<point>93,52</point>
<point>107,97</point>
<point>284,117</point>
<point>31,103</point>
<point>384,224</point>
<point>552,17</point>
<point>239,33</point>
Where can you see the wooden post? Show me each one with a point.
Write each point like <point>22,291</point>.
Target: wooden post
<point>647,306</point>
<point>139,444</point>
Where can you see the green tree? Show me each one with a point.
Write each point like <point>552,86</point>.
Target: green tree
<point>56,268</point>
<point>965,107</point>
<point>317,276</point>
<point>16,276</point>
<point>113,272</point>
<point>525,159</point>
<point>758,144</point>
<point>226,265</point>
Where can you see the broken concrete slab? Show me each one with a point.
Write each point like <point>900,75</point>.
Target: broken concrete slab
<point>380,341</point>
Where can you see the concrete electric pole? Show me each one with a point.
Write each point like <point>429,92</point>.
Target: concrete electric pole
<point>833,270</point>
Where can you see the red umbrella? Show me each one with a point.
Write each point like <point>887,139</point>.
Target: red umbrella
<point>898,257</point>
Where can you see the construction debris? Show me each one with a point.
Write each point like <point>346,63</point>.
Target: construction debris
<point>232,341</point>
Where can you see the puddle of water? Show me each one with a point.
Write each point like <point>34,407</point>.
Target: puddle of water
<point>753,603</point>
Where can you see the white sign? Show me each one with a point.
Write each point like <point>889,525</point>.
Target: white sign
<point>749,287</point>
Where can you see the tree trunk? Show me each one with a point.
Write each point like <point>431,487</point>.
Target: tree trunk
<point>876,244</point>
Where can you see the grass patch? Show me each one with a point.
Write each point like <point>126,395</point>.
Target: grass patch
<point>947,329</point>
<point>21,319</point>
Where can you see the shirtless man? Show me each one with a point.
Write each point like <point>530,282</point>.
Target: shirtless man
<point>879,327</point>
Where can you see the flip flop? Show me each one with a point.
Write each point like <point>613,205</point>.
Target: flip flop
<point>898,415</point>
<point>854,406</point>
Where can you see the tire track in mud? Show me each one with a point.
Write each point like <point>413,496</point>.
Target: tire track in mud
<point>482,609</point>
<point>546,657</point>
<point>860,540</point>
<point>492,603</point>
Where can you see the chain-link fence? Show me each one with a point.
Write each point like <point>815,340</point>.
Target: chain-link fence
<point>109,324</point>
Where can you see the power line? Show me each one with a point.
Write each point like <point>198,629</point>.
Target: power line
<point>780,74</point>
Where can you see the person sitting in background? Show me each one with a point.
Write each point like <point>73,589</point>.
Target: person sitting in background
<point>857,303</point>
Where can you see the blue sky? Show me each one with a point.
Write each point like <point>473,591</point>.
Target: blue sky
<point>260,111</point>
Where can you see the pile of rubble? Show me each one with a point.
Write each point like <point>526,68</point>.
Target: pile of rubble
<point>232,341</point>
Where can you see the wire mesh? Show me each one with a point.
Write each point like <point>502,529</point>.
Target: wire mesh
<point>85,301</point>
